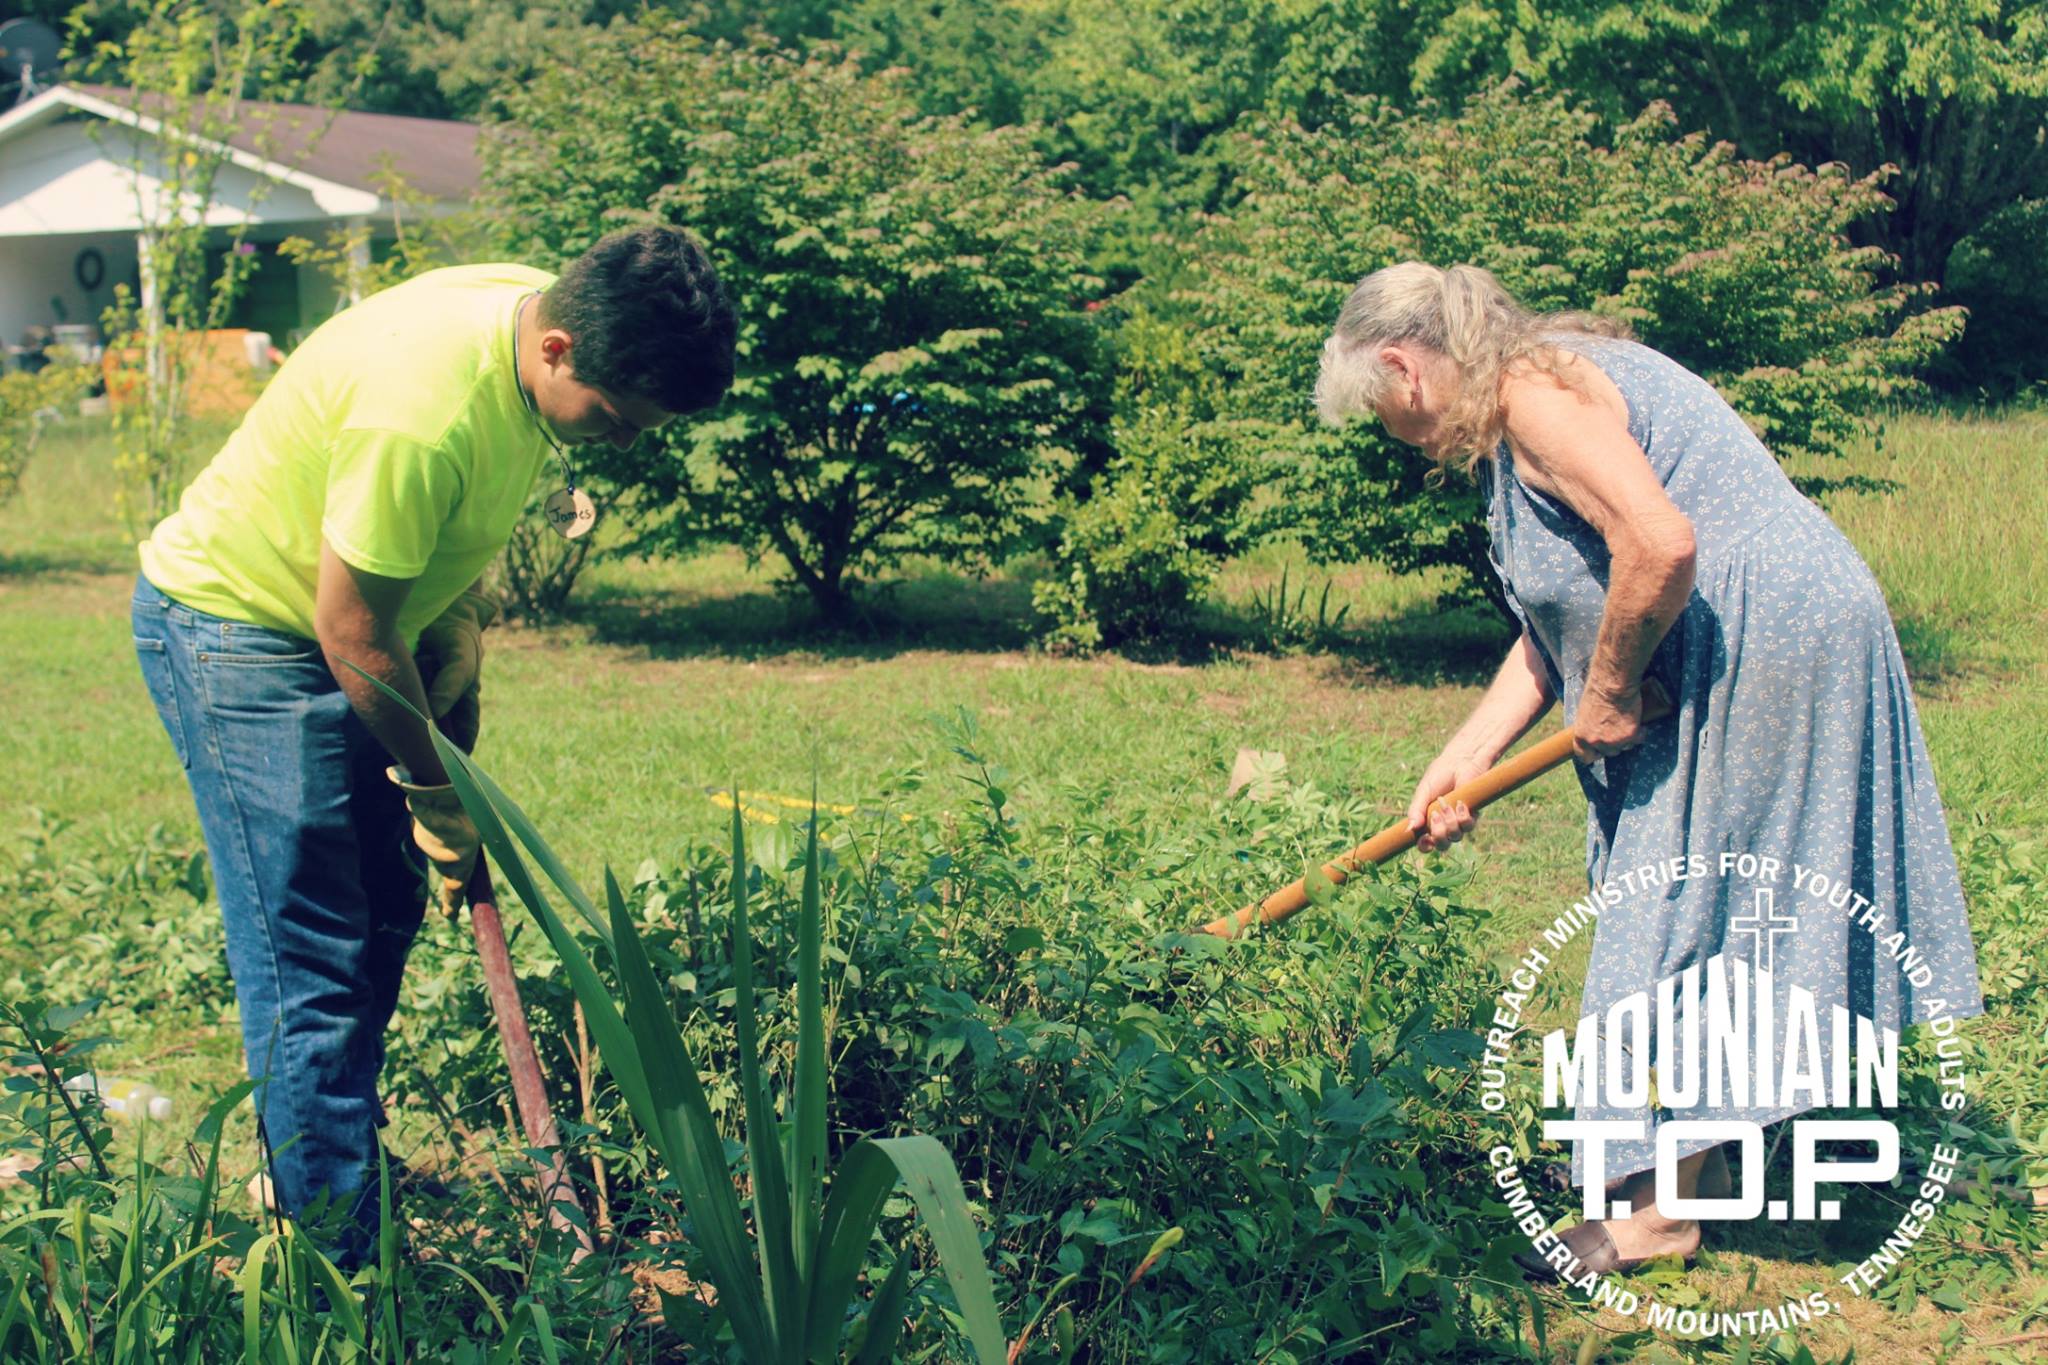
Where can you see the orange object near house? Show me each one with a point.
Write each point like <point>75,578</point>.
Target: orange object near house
<point>219,381</point>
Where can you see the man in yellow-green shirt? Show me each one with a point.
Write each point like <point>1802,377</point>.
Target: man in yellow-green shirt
<point>350,517</point>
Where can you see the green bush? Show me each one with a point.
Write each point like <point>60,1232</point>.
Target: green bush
<point>1133,557</point>
<point>1122,570</point>
<point>916,363</point>
<point>1174,1149</point>
<point>1739,270</point>
<point>1996,273</point>
<point>1136,557</point>
<point>29,401</point>
<point>1299,1105</point>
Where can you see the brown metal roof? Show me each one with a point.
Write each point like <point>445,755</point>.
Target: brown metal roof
<point>437,157</point>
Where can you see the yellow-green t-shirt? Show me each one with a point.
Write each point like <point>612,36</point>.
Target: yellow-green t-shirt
<point>396,431</point>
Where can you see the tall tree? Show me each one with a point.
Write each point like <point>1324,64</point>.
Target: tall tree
<point>1952,92</point>
<point>1738,269</point>
<point>917,365</point>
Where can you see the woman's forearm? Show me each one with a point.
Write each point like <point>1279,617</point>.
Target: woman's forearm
<point>1514,701</point>
<point>1649,581</point>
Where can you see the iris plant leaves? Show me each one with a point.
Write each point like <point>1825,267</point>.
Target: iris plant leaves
<point>786,1283</point>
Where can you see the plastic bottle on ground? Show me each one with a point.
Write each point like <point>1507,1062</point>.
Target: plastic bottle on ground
<point>128,1100</point>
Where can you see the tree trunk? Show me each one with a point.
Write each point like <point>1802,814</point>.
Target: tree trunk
<point>831,595</point>
<point>822,575</point>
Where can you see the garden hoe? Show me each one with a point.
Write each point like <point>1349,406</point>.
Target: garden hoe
<point>528,1093</point>
<point>1396,838</point>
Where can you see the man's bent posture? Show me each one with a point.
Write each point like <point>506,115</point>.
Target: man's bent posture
<point>349,517</point>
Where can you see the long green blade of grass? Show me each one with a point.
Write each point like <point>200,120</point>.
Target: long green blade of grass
<point>212,1128</point>
<point>125,1329</point>
<point>529,836</point>
<point>454,761</point>
<point>885,1315</point>
<point>18,1305</point>
<point>16,1299</point>
<point>251,1282</point>
<point>484,1296</point>
<point>132,1274</point>
<point>697,1160</point>
<point>341,1299</point>
<point>607,1026</point>
<point>807,1132</point>
<point>764,1150</point>
<point>508,1348</point>
<point>860,1185</point>
<point>388,1267</point>
<point>545,1326</point>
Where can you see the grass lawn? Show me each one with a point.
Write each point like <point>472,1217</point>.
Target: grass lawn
<point>677,677</point>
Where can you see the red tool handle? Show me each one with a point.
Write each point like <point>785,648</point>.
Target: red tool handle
<point>529,1093</point>
<point>1489,786</point>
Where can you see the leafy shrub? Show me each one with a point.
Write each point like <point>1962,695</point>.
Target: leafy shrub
<point>538,569</point>
<point>1995,272</point>
<point>784,1286</point>
<point>29,401</point>
<point>1134,557</point>
<point>916,366</point>
<point>1739,270</point>
<point>1299,1105</point>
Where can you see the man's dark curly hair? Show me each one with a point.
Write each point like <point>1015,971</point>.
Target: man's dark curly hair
<point>647,317</point>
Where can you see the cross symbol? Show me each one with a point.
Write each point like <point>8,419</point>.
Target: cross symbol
<point>1765,924</point>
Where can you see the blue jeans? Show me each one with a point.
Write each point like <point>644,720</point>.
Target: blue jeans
<point>321,891</point>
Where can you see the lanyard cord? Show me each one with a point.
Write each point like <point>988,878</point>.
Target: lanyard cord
<point>518,314</point>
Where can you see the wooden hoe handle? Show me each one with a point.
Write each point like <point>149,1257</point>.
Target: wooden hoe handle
<point>529,1092</point>
<point>1489,786</point>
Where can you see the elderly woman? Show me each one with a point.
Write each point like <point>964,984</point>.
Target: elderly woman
<point>1641,531</point>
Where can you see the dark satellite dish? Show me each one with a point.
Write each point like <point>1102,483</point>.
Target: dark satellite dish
<point>28,57</point>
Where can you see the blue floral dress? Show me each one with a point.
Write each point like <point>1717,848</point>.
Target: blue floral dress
<point>1795,737</point>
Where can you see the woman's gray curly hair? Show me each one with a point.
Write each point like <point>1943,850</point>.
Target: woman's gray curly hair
<point>1463,313</point>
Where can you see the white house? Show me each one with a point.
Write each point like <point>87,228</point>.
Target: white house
<point>81,169</point>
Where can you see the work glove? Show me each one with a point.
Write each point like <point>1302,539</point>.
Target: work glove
<point>450,657</point>
<point>444,832</point>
